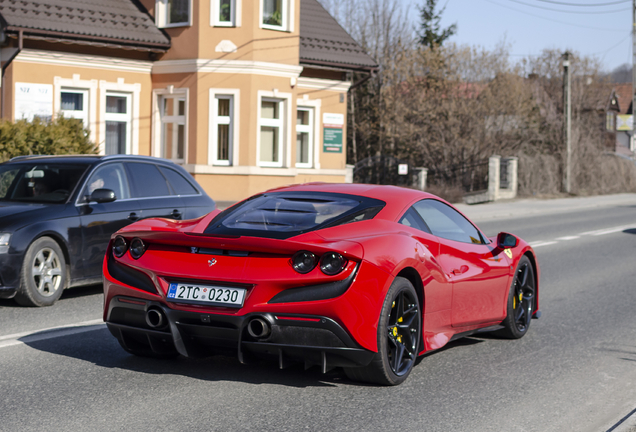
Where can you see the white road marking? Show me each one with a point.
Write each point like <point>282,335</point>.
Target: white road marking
<point>544,243</point>
<point>599,232</point>
<point>50,333</point>
<point>608,230</point>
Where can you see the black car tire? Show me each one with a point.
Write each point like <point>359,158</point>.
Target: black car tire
<point>43,276</point>
<point>519,312</point>
<point>400,318</point>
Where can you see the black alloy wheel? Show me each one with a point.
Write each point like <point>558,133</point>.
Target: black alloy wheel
<point>399,334</point>
<point>403,333</point>
<point>521,301</point>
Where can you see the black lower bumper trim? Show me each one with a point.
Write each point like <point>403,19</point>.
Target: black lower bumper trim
<point>7,292</point>
<point>316,340</point>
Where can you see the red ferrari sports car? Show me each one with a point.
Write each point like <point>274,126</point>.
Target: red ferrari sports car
<point>357,276</point>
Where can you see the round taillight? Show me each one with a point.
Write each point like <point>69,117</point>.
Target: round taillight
<point>304,261</point>
<point>119,246</point>
<point>137,248</point>
<point>332,263</point>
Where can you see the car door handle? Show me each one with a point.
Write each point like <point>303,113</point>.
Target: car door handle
<point>176,214</point>
<point>461,270</point>
<point>133,216</point>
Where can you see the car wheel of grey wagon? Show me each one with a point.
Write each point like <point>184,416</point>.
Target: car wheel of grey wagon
<point>399,333</point>
<point>520,302</point>
<point>43,275</point>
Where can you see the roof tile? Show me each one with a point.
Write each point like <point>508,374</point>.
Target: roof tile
<point>323,40</point>
<point>116,19</point>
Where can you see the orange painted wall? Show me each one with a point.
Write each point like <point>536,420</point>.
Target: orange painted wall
<point>45,74</point>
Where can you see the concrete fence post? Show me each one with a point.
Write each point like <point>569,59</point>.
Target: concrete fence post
<point>513,164</point>
<point>510,191</point>
<point>421,178</point>
<point>494,163</point>
<point>349,173</point>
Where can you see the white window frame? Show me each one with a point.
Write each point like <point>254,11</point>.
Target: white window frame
<point>287,17</point>
<point>161,15</point>
<point>316,140</point>
<point>235,20</point>
<point>158,122</point>
<point>177,120</point>
<point>309,130</point>
<point>233,153</point>
<point>76,84</point>
<point>284,151</point>
<point>121,118</point>
<point>83,114</point>
<point>120,87</point>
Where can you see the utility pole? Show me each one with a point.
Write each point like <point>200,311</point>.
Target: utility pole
<point>567,129</point>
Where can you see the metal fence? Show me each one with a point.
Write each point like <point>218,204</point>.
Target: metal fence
<point>386,170</point>
<point>504,180</point>
<point>471,177</point>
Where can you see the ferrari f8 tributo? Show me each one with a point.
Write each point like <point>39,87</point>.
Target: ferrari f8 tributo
<point>356,276</point>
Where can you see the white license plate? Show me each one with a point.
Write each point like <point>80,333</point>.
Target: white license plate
<point>207,294</point>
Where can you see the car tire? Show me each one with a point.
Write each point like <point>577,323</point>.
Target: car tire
<point>400,319</point>
<point>43,275</point>
<point>521,302</point>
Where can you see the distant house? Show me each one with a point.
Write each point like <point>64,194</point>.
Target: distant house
<point>618,120</point>
<point>246,95</point>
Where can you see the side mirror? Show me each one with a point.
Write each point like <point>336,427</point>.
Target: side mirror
<point>506,241</point>
<point>102,196</point>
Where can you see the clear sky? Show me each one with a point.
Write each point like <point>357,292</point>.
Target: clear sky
<point>529,26</point>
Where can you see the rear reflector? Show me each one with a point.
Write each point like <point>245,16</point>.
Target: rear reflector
<point>297,318</point>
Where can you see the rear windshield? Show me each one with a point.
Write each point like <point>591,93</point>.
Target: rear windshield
<point>286,214</point>
<point>39,182</point>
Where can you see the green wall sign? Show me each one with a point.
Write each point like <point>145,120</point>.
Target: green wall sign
<point>332,140</point>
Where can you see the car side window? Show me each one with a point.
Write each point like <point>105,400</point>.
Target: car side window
<point>180,185</point>
<point>447,223</point>
<point>412,219</point>
<point>147,181</point>
<point>111,176</point>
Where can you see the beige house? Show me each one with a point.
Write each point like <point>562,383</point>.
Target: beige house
<point>246,94</point>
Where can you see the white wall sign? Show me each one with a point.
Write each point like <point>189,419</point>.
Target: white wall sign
<point>403,169</point>
<point>333,119</point>
<point>33,100</point>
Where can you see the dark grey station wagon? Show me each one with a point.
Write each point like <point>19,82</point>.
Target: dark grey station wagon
<point>57,214</point>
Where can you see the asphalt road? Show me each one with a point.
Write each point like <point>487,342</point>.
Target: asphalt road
<point>574,371</point>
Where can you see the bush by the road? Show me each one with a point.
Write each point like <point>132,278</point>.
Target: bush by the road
<point>38,137</point>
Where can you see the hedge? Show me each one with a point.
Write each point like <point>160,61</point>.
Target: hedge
<point>39,137</point>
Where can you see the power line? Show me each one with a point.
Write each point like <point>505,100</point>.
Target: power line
<point>613,46</point>
<point>570,12</point>
<point>585,5</point>
<point>553,20</point>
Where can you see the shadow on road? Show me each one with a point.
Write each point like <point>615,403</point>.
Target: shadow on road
<point>68,294</point>
<point>101,348</point>
<point>630,231</point>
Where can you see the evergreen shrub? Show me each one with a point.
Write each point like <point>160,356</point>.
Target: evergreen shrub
<point>39,137</point>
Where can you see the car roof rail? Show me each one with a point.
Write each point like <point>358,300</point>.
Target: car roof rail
<point>19,157</point>
<point>139,157</point>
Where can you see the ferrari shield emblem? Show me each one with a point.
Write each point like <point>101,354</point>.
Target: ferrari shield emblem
<point>508,253</point>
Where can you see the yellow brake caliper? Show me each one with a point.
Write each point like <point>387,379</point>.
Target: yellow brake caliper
<point>395,330</point>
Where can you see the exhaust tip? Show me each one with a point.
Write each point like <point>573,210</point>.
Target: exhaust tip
<point>156,318</point>
<point>259,328</point>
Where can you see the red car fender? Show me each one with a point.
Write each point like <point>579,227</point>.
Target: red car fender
<point>522,248</point>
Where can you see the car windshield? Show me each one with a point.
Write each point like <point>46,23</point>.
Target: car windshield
<point>285,214</point>
<point>39,182</point>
